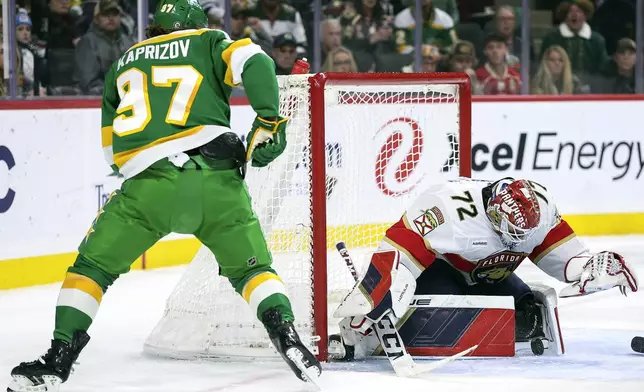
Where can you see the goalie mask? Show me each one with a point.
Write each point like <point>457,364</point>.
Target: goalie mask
<point>514,210</point>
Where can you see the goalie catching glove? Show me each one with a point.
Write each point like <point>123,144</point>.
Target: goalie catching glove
<point>266,140</point>
<point>602,271</point>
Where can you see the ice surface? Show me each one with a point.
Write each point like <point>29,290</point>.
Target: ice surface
<point>597,332</point>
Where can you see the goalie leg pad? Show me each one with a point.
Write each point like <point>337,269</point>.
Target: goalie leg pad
<point>387,285</point>
<point>443,325</point>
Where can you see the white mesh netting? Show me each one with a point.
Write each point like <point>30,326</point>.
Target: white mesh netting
<point>384,144</point>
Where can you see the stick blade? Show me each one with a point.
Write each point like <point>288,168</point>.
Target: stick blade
<point>416,368</point>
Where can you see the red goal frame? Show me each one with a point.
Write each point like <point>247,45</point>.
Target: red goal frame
<point>317,169</point>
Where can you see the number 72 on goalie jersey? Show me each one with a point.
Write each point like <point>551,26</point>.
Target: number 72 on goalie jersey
<point>452,225</point>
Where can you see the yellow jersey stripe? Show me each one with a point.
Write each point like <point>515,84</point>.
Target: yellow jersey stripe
<point>85,284</point>
<point>227,54</point>
<point>255,282</point>
<point>106,136</point>
<point>122,157</point>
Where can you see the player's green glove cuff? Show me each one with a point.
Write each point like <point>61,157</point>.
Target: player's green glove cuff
<point>266,140</point>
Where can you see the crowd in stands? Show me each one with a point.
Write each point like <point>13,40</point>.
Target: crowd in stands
<point>65,47</point>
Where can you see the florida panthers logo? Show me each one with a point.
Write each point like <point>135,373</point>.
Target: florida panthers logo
<point>397,162</point>
<point>497,267</point>
<point>429,220</point>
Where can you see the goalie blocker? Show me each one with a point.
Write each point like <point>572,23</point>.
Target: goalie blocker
<point>443,325</point>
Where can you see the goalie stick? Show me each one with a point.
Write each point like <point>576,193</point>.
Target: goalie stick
<point>390,339</point>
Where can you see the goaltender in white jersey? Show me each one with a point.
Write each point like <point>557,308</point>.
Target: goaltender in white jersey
<point>466,238</point>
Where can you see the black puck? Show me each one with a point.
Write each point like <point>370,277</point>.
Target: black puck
<point>537,347</point>
<point>637,344</point>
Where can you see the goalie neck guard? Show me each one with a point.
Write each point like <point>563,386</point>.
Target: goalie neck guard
<point>513,210</point>
<point>180,15</point>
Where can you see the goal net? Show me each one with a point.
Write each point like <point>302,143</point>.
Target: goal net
<point>360,148</point>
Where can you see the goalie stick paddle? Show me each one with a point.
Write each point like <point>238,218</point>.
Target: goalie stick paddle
<point>637,344</point>
<point>390,340</point>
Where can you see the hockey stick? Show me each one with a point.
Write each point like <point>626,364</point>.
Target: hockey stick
<point>390,339</point>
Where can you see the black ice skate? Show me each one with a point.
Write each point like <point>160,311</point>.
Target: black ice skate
<point>287,342</point>
<point>50,370</point>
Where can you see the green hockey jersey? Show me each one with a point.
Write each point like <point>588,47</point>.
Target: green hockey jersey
<point>170,94</point>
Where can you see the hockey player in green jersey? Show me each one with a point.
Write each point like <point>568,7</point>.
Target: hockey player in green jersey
<point>166,129</point>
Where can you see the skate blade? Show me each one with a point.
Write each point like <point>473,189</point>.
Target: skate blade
<point>23,384</point>
<point>311,374</point>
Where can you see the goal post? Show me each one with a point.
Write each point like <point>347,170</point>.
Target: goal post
<point>360,148</point>
<point>319,83</point>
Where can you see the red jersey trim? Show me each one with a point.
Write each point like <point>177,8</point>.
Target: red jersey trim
<point>411,244</point>
<point>460,263</point>
<point>557,236</point>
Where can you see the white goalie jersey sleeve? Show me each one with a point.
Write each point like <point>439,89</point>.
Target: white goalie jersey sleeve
<point>560,243</point>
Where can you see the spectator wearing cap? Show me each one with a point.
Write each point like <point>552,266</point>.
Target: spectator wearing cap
<point>128,15</point>
<point>284,53</point>
<point>618,76</point>
<point>438,29</point>
<point>495,77</point>
<point>430,58</point>
<point>104,43</point>
<point>463,59</point>
<point>555,76</point>
<point>241,26</point>
<point>27,51</point>
<point>340,59</point>
<point>23,27</point>
<point>277,18</point>
<point>61,32</point>
<point>585,47</point>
